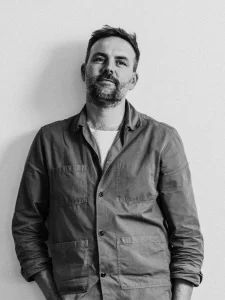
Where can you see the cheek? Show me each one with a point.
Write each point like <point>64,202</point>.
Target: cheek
<point>125,78</point>
<point>93,70</point>
<point>125,75</point>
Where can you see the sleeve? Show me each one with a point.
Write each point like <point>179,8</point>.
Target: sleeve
<point>178,204</point>
<point>31,210</point>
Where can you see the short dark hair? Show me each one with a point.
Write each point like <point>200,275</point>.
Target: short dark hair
<point>108,31</point>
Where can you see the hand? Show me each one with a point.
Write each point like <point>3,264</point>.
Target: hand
<point>57,297</point>
<point>46,283</point>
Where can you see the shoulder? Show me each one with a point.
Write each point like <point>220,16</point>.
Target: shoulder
<point>166,135</point>
<point>57,128</point>
<point>56,132</point>
<point>58,125</point>
<point>155,125</point>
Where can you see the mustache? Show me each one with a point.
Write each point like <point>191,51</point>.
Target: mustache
<point>107,76</point>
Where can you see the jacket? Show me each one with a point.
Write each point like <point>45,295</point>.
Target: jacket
<point>132,226</point>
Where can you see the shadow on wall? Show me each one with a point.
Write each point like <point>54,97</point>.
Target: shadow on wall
<point>11,167</point>
<point>57,92</point>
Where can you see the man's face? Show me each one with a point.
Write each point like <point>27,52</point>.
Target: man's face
<point>109,72</point>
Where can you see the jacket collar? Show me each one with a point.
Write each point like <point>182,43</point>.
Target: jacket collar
<point>132,118</point>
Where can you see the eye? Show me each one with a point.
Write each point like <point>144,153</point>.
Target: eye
<point>121,63</point>
<point>98,59</point>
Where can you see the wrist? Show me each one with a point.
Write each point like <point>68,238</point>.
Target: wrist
<point>55,297</point>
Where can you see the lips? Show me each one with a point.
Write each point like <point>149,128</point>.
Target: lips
<point>106,80</point>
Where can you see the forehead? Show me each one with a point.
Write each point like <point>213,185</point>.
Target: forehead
<point>113,46</point>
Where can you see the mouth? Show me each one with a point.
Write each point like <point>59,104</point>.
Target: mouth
<point>107,80</point>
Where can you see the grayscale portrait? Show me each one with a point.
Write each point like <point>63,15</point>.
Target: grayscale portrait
<point>111,168</point>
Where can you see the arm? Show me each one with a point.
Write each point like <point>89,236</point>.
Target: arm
<point>182,289</point>
<point>46,283</point>
<point>178,205</point>
<point>31,211</point>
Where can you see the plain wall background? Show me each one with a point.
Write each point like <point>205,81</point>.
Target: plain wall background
<point>181,82</point>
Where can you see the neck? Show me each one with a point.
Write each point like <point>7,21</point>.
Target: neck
<point>109,118</point>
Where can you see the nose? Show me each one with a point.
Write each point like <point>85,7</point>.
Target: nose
<point>109,66</point>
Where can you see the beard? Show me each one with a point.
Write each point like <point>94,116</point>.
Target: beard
<point>105,94</point>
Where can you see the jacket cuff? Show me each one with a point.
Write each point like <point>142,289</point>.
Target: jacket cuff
<point>32,267</point>
<point>194,278</point>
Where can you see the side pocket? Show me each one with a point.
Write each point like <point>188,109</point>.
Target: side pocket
<point>142,262</point>
<point>70,266</point>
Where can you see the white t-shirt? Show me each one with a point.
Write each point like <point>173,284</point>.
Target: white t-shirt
<point>104,140</point>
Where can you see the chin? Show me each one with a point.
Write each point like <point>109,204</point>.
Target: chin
<point>105,102</point>
<point>106,96</point>
<point>106,90</point>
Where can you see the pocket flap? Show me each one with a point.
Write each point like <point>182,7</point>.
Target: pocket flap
<point>138,239</point>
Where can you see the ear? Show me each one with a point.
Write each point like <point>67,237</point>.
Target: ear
<point>133,81</point>
<point>83,72</point>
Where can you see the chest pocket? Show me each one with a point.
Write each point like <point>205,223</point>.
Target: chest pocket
<point>134,183</point>
<point>69,185</point>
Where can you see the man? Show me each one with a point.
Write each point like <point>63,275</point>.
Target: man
<point>115,189</point>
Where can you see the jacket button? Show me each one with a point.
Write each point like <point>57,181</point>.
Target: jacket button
<point>100,194</point>
<point>101,232</point>
<point>103,274</point>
